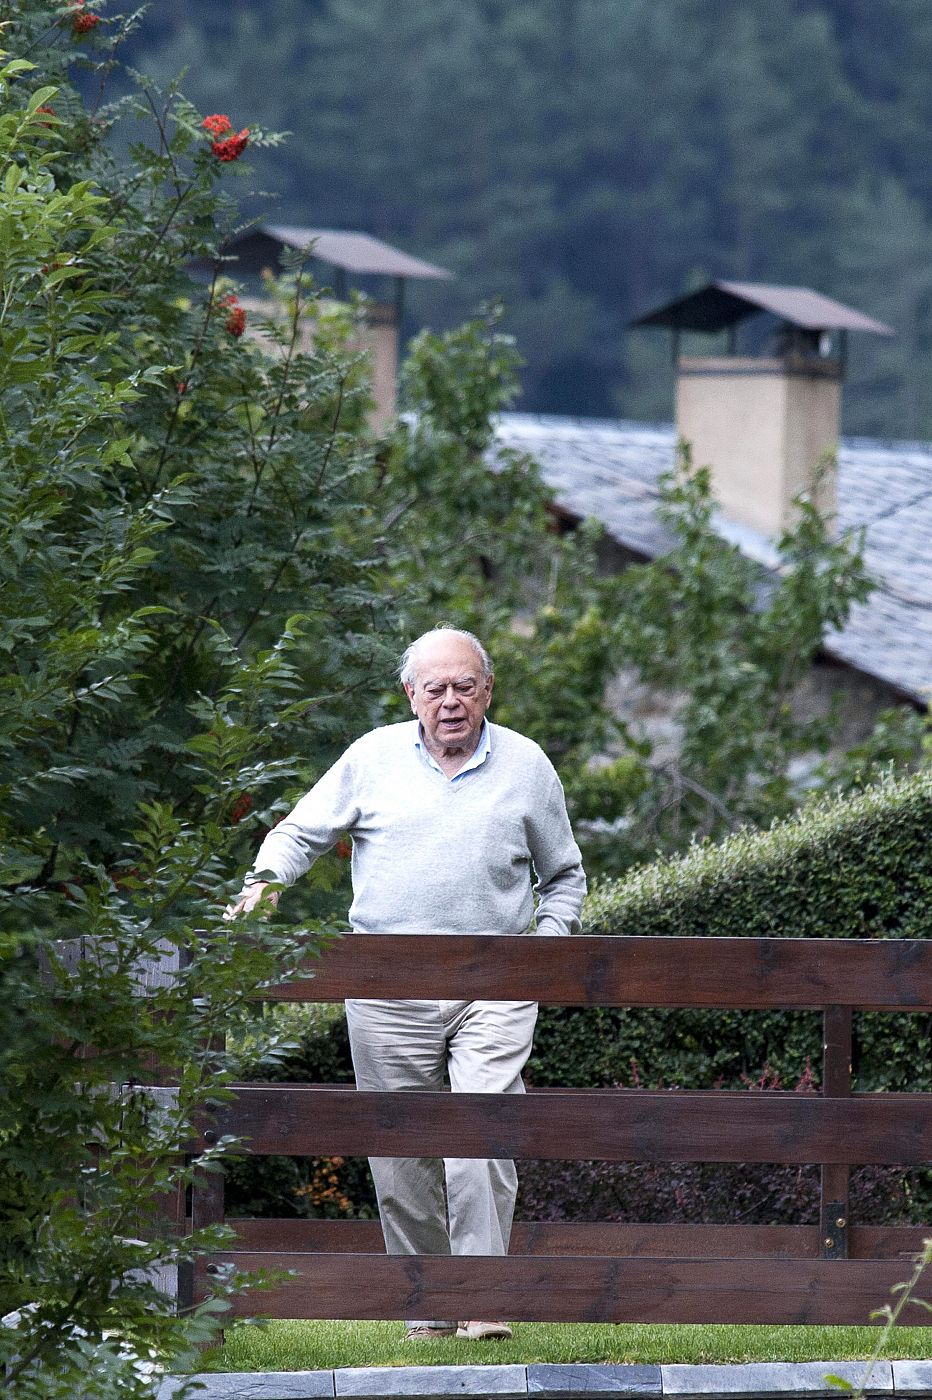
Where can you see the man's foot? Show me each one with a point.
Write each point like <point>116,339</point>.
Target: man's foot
<point>429,1334</point>
<point>484,1331</point>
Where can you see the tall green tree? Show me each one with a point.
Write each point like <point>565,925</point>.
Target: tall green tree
<point>583,159</point>
<point>209,564</point>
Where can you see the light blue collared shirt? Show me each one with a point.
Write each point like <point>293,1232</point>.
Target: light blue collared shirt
<point>480,753</point>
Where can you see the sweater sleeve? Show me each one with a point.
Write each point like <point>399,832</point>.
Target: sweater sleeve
<point>561,881</point>
<point>311,827</point>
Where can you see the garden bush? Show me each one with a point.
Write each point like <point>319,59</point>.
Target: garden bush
<point>858,866</point>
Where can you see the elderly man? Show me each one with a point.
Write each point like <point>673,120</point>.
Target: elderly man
<point>452,819</point>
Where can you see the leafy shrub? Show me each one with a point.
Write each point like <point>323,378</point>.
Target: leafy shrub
<point>319,1187</point>
<point>715,1193</point>
<point>858,866</point>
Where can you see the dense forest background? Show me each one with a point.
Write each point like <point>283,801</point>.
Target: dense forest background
<point>587,159</point>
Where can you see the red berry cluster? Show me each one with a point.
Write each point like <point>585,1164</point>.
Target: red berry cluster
<point>235,322</point>
<point>83,21</point>
<point>241,807</point>
<point>227,143</point>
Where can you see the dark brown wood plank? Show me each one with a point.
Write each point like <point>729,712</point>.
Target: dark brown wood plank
<point>834,1209</point>
<point>823,1291</point>
<point>621,1125</point>
<point>603,1237</point>
<point>554,1238</point>
<point>894,974</point>
<point>888,1241</point>
<point>207,1198</point>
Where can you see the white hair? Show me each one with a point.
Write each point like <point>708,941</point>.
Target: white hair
<point>407,669</point>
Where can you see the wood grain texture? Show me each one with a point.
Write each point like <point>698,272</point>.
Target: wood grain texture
<point>731,973</point>
<point>550,1238</point>
<point>591,1289</point>
<point>620,1125</point>
<point>834,1190</point>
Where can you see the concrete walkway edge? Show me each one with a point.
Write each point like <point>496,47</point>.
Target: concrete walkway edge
<point>752,1381</point>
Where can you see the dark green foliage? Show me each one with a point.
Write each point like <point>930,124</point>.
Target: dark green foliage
<point>291,1187</point>
<point>727,644</point>
<point>850,867</point>
<point>694,1193</point>
<point>201,602</point>
<point>122,812</point>
<point>586,159</point>
<point>734,641</point>
<point>671,1049</point>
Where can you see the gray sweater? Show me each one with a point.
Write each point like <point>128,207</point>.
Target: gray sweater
<point>432,855</point>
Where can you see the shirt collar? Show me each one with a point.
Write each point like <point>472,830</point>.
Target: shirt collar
<point>480,753</point>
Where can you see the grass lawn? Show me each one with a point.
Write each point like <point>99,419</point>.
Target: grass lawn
<point>300,1346</point>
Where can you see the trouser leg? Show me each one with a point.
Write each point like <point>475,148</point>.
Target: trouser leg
<point>402,1045</point>
<point>486,1053</point>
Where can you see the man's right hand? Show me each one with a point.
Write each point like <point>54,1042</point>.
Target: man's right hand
<point>250,899</point>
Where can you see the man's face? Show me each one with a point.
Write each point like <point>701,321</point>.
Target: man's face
<point>449,695</point>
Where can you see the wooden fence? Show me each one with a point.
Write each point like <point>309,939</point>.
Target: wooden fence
<point>833,1272</point>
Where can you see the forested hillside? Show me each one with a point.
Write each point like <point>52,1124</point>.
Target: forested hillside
<point>587,158</point>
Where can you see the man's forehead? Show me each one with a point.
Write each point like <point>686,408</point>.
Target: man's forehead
<point>447,660</point>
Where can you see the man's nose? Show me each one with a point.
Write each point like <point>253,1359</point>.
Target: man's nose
<point>450,698</point>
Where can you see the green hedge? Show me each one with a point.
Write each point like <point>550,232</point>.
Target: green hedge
<point>851,867</point>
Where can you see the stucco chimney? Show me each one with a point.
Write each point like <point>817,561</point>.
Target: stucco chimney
<point>766,428</point>
<point>381,341</point>
<point>766,425</point>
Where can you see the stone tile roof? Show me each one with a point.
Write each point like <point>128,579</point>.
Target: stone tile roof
<point>609,469</point>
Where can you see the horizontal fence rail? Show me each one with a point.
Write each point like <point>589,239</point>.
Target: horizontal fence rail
<point>828,1273</point>
<point>590,1289</point>
<point>557,1237</point>
<point>614,1125</point>
<point>731,973</point>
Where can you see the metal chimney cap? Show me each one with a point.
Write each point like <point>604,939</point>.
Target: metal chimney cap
<point>720,304</point>
<point>354,252</point>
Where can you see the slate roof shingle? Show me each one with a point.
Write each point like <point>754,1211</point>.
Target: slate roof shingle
<point>609,469</point>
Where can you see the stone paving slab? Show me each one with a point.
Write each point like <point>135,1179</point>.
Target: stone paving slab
<point>581,1377</point>
<point>254,1385</point>
<point>764,1378</point>
<point>364,1381</point>
<point>750,1381</point>
<point>912,1377</point>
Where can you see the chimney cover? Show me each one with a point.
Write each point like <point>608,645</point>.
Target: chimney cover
<point>720,305</point>
<point>346,249</point>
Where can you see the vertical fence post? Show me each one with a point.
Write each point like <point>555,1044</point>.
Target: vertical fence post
<point>207,1208</point>
<point>836,1083</point>
<point>207,1189</point>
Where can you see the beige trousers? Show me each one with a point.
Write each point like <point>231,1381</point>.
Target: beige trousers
<point>482,1047</point>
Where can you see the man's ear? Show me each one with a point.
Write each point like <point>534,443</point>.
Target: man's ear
<point>409,691</point>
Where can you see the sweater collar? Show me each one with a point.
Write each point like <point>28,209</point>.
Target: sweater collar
<point>480,753</point>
